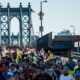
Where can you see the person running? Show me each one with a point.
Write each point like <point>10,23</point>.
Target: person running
<point>77,70</point>
<point>43,75</point>
<point>65,74</point>
<point>9,74</point>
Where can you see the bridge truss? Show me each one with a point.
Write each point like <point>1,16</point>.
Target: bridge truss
<point>25,24</point>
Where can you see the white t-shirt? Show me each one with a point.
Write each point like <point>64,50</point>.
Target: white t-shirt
<point>69,77</point>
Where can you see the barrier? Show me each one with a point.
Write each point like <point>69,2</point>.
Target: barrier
<point>75,54</point>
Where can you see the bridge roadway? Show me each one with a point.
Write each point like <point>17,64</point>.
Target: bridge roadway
<point>64,59</point>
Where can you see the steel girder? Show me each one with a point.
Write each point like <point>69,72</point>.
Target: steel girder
<point>25,27</point>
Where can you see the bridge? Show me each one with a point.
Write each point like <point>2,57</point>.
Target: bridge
<point>23,14</point>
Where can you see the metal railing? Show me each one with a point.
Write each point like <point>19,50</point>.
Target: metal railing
<point>75,54</point>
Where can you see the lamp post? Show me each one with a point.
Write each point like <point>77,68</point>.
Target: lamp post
<point>41,14</point>
<point>73,29</point>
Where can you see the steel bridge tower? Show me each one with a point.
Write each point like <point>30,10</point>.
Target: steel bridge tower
<point>25,24</point>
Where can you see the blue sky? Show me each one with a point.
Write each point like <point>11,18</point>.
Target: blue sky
<point>59,14</point>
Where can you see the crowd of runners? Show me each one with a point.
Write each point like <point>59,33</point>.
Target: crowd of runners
<point>18,63</point>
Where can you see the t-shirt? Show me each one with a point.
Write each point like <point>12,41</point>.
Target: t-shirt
<point>77,74</point>
<point>68,77</point>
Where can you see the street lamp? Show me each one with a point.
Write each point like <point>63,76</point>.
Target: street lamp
<point>73,29</point>
<point>41,14</point>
